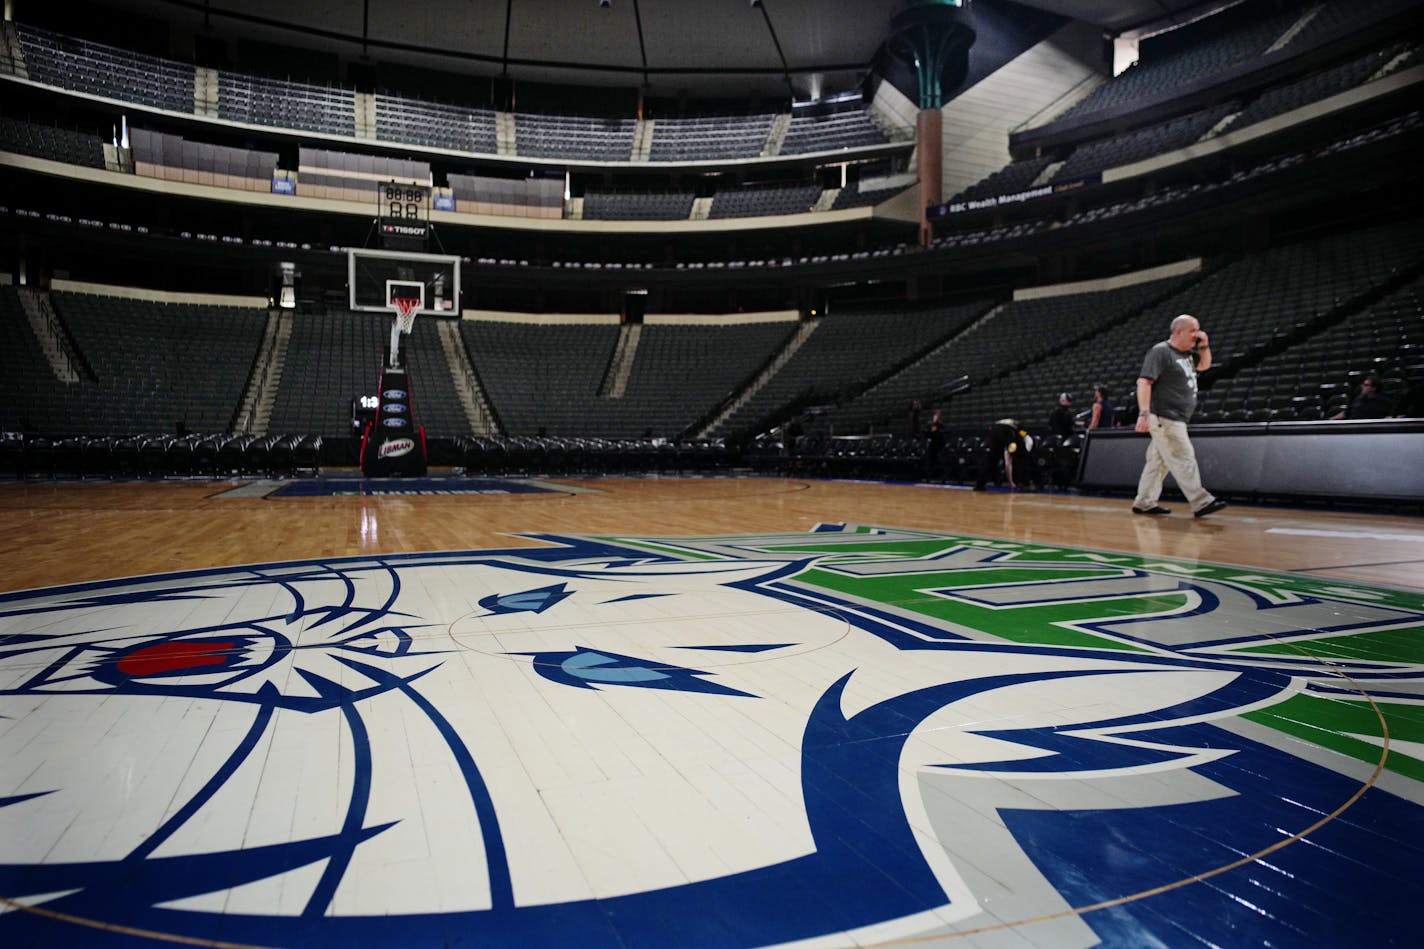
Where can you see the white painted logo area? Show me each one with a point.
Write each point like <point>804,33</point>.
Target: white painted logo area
<point>846,737</point>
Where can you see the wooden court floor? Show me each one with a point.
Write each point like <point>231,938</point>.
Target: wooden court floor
<point>704,712</point>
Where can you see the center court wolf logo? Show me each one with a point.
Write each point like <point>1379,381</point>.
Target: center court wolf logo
<point>856,736</point>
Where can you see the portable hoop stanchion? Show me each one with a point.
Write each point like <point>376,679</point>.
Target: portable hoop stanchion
<point>392,444</point>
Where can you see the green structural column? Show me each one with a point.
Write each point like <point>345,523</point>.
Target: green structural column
<point>933,37</point>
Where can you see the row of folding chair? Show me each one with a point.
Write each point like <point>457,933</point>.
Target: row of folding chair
<point>159,456</point>
<point>533,454</point>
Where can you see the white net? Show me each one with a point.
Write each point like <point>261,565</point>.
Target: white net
<point>405,314</point>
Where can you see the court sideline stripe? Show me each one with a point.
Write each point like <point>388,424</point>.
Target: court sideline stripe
<point>1349,566</point>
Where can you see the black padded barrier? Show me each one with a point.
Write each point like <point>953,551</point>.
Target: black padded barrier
<point>1365,461</point>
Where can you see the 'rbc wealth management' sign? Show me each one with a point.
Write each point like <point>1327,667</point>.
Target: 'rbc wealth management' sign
<point>940,211</point>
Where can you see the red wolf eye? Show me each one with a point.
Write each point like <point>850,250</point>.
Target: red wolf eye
<point>161,658</point>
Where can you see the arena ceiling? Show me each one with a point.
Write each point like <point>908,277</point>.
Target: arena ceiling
<point>708,47</point>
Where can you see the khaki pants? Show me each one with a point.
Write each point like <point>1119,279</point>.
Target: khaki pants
<point>1170,450</point>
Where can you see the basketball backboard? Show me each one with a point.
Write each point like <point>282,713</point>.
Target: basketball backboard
<point>375,277</point>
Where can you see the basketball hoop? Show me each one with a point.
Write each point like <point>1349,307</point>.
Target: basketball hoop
<point>405,308</point>
<point>405,312</point>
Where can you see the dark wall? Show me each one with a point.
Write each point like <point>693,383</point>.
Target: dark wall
<point>98,23</point>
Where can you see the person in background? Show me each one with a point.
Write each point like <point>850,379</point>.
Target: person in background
<point>1104,411</point>
<point>1166,398</point>
<point>1006,439</point>
<point>1060,420</point>
<point>934,445</point>
<point>1370,403</point>
<point>791,433</point>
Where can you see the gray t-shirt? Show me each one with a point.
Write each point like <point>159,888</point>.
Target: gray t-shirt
<point>1174,381</point>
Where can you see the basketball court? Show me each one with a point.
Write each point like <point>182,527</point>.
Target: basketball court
<point>704,712</point>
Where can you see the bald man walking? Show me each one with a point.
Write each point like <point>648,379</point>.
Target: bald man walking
<point>1166,398</point>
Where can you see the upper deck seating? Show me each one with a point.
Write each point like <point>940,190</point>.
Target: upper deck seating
<point>829,133</point>
<point>709,137</point>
